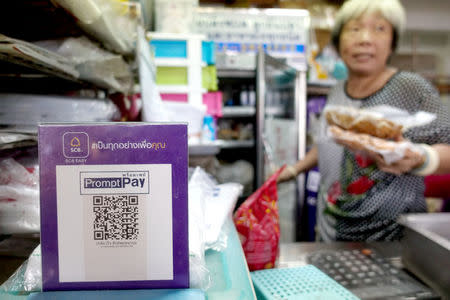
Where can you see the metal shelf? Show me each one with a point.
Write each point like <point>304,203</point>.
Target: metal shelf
<point>174,62</point>
<point>275,111</point>
<point>236,73</point>
<point>213,148</point>
<point>177,89</point>
<point>238,111</point>
<point>203,149</point>
<point>224,144</point>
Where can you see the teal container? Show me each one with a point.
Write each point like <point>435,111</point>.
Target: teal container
<point>306,282</point>
<point>208,52</point>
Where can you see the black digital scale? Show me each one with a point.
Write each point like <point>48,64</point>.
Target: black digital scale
<point>369,275</point>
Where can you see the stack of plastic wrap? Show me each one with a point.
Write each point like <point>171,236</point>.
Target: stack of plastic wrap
<point>94,64</point>
<point>19,109</point>
<point>19,195</point>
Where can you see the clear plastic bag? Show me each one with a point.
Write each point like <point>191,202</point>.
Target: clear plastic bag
<point>19,198</point>
<point>391,151</point>
<point>376,129</point>
<point>112,22</point>
<point>209,206</point>
<point>220,202</point>
<point>27,278</point>
<point>199,275</point>
<point>93,63</point>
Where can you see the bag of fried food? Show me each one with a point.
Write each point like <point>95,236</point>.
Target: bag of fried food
<point>364,130</point>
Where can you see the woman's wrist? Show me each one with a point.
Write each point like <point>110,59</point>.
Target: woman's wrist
<point>292,170</point>
<point>430,164</point>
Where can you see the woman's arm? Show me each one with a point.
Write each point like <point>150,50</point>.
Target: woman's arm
<point>291,171</point>
<point>443,151</point>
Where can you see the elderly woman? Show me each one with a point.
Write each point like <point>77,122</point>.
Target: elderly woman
<point>361,197</point>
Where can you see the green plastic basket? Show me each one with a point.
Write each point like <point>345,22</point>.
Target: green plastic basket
<point>306,282</point>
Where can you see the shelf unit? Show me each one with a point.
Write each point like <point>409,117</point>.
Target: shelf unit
<point>37,85</point>
<point>230,83</point>
<point>185,51</point>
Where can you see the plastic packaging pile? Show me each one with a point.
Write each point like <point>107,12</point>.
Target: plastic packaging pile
<point>27,278</point>
<point>93,63</point>
<point>19,197</point>
<point>112,22</point>
<point>29,110</point>
<point>209,206</point>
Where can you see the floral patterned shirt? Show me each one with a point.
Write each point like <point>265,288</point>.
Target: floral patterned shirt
<point>358,202</point>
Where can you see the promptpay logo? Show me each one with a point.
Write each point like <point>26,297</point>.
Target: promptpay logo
<point>113,183</point>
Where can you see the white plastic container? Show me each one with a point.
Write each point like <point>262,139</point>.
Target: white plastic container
<point>174,16</point>
<point>190,113</point>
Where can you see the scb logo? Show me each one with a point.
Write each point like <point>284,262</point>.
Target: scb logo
<point>75,144</point>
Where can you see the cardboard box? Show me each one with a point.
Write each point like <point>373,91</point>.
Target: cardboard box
<point>114,210</point>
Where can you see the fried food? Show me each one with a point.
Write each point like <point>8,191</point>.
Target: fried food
<point>361,121</point>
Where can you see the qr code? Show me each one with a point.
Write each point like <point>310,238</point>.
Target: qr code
<point>116,217</point>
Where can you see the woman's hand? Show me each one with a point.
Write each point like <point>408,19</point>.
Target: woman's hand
<point>289,173</point>
<point>410,160</point>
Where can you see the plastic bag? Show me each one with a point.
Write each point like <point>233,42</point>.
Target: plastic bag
<point>193,114</point>
<point>390,151</point>
<point>257,222</point>
<point>209,206</point>
<point>27,278</point>
<point>217,203</point>
<point>220,203</point>
<point>93,63</point>
<point>112,22</point>
<point>362,121</point>
<point>19,197</point>
<point>152,107</point>
<point>199,276</point>
<point>403,117</point>
<point>377,129</point>
<point>382,121</point>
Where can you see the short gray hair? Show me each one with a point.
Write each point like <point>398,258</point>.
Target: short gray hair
<point>391,10</point>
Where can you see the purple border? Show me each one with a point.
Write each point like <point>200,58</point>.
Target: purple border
<point>176,153</point>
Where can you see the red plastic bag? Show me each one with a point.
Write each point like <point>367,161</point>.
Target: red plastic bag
<point>257,223</point>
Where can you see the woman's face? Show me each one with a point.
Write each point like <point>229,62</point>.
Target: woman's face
<point>365,43</point>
